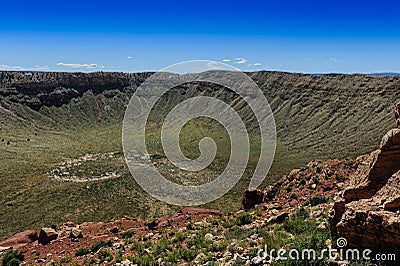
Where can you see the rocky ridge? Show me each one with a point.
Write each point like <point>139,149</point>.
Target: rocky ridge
<point>367,213</point>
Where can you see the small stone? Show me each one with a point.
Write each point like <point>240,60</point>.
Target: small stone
<point>51,263</point>
<point>199,258</point>
<point>227,255</point>
<point>117,245</point>
<point>69,224</point>
<point>322,227</point>
<point>254,237</point>
<point>340,185</point>
<point>240,250</point>
<point>209,236</point>
<point>126,262</point>
<point>146,251</point>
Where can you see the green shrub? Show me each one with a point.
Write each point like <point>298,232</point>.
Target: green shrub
<point>228,223</point>
<point>82,252</point>
<point>253,253</point>
<point>137,246</point>
<point>300,213</point>
<point>218,247</point>
<point>179,237</point>
<point>274,240</point>
<point>188,254</point>
<point>12,258</point>
<point>198,242</point>
<point>90,261</point>
<point>293,196</point>
<point>317,200</point>
<point>157,156</point>
<point>236,232</point>
<point>244,218</point>
<point>118,256</point>
<point>102,243</point>
<point>298,226</point>
<point>161,246</point>
<point>14,262</point>
<point>127,234</point>
<point>190,227</point>
<point>104,255</point>
<point>144,260</point>
<point>65,260</point>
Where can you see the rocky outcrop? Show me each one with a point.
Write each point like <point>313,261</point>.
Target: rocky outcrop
<point>47,235</point>
<point>37,89</point>
<point>318,178</point>
<point>367,212</point>
<point>252,198</point>
<point>182,216</point>
<point>76,233</point>
<point>20,240</point>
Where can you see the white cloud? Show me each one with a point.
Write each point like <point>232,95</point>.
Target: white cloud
<point>254,65</point>
<point>214,65</point>
<point>332,60</point>
<point>240,60</point>
<point>129,57</point>
<point>75,66</point>
<point>226,60</point>
<point>37,67</point>
<point>6,67</point>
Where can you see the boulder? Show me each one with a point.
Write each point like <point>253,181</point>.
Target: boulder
<point>252,198</point>
<point>47,235</point>
<point>327,185</point>
<point>278,219</point>
<point>20,240</point>
<point>76,233</point>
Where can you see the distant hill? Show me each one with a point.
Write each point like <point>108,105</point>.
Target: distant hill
<point>388,74</point>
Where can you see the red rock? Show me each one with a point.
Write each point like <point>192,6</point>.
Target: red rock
<point>293,203</point>
<point>20,240</point>
<point>327,185</point>
<point>200,211</point>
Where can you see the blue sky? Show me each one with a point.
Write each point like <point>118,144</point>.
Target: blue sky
<point>130,36</point>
